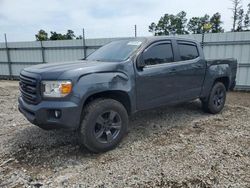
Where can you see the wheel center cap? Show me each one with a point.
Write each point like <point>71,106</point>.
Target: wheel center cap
<point>107,123</point>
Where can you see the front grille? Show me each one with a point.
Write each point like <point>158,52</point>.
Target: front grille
<point>28,89</point>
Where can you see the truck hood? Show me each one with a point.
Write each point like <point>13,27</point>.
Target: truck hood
<point>69,69</point>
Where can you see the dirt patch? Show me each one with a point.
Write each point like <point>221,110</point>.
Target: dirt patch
<point>169,147</point>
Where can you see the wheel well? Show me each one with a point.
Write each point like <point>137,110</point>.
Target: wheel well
<point>119,96</point>
<point>224,80</point>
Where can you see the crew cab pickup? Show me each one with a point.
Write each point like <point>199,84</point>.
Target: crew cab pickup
<point>95,96</point>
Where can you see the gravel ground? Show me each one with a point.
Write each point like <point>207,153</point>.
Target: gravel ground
<point>170,147</point>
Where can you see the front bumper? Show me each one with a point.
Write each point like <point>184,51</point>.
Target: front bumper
<point>43,114</point>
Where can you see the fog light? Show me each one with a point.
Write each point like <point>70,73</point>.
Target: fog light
<point>57,113</point>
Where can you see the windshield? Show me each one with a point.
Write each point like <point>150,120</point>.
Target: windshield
<point>115,51</point>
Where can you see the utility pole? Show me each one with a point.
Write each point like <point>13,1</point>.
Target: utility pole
<point>135,31</point>
<point>84,43</point>
<point>202,39</point>
<point>8,56</point>
<point>205,28</point>
<point>42,51</point>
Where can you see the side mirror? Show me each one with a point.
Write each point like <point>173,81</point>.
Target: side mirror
<point>140,62</point>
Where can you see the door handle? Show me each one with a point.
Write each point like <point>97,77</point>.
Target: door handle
<point>197,66</point>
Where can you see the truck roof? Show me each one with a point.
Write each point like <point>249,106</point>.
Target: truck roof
<point>156,38</point>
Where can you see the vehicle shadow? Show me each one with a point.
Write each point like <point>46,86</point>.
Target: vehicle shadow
<point>33,146</point>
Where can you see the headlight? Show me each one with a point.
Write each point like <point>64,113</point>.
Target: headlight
<point>56,89</point>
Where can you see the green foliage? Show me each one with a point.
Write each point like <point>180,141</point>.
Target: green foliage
<point>196,24</point>
<point>79,37</point>
<point>216,22</point>
<point>179,24</point>
<point>42,35</point>
<point>69,35</point>
<point>247,18</point>
<point>240,19</point>
<point>170,24</point>
<point>56,36</point>
<point>246,22</point>
<point>153,28</point>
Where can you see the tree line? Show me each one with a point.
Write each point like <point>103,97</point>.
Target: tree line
<point>42,35</point>
<point>241,17</point>
<point>178,24</point>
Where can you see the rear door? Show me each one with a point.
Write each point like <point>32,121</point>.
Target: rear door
<point>191,69</point>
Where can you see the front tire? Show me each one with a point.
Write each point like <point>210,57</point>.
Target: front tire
<point>104,125</point>
<point>216,100</point>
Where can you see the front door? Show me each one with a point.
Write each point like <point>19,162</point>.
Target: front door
<point>155,83</point>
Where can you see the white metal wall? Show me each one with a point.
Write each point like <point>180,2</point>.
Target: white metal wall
<point>3,58</point>
<point>232,45</point>
<point>222,45</point>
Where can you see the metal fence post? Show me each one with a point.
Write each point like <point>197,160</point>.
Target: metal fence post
<point>135,31</point>
<point>202,39</point>
<point>84,44</point>
<point>8,56</point>
<point>42,50</point>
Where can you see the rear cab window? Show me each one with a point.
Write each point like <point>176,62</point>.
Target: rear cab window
<point>187,50</point>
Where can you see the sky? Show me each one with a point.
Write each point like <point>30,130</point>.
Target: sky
<point>22,19</point>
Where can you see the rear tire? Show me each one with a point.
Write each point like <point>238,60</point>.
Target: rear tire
<point>104,125</point>
<point>216,100</point>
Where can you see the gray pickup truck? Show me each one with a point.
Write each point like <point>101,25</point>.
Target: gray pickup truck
<point>95,96</point>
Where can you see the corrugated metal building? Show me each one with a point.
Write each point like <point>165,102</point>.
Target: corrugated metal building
<point>18,55</point>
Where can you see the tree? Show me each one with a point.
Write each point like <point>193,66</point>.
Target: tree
<point>247,18</point>
<point>216,22</point>
<point>235,9</point>
<point>79,37</point>
<point>152,28</point>
<point>246,21</point>
<point>56,36</point>
<point>42,35</point>
<point>181,22</point>
<point>69,35</point>
<point>165,25</point>
<point>170,24</point>
<point>240,20</point>
<point>196,24</point>
<point>205,20</point>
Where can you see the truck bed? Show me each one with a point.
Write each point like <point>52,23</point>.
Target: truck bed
<point>233,67</point>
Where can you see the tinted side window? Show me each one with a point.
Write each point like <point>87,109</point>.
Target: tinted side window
<point>188,51</point>
<point>158,54</point>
